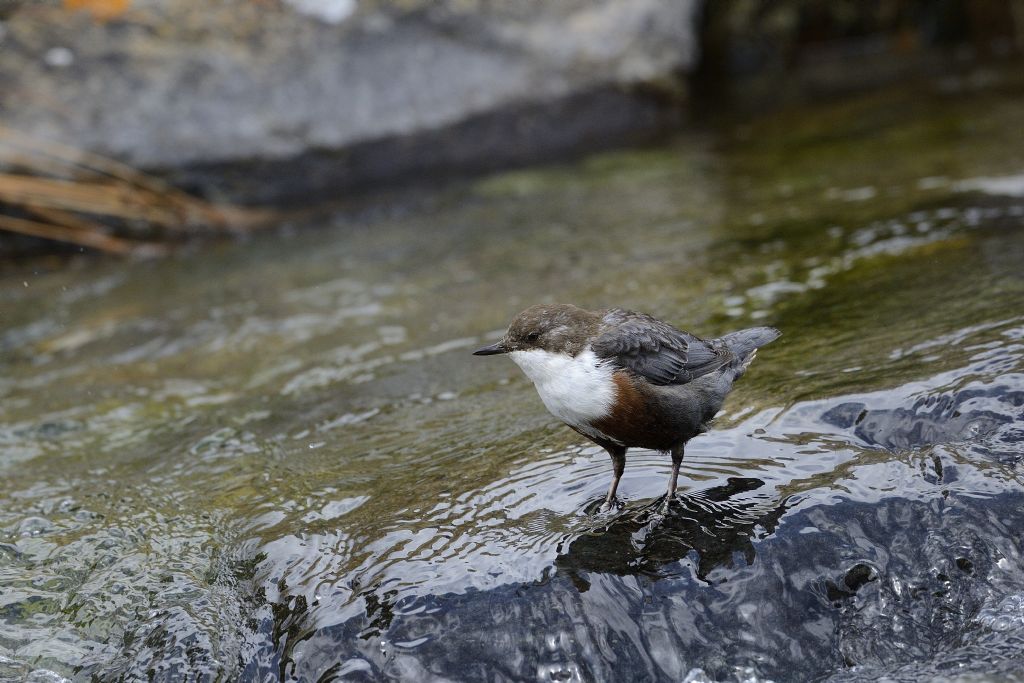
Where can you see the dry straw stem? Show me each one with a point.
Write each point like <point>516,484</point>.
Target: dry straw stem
<point>103,199</point>
<point>58,183</point>
<point>95,240</point>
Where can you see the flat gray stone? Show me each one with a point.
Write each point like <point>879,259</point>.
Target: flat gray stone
<point>172,84</point>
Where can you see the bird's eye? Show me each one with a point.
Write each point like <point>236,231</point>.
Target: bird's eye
<point>533,336</point>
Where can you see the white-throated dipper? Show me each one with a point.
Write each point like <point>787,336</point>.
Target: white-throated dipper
<point>624,379</point>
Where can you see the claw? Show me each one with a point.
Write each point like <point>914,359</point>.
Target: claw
<point>613,505</point>
<point>666,502</point>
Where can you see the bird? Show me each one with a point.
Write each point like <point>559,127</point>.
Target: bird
<point>625,379</point>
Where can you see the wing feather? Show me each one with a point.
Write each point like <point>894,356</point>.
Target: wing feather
<point>654,349</point>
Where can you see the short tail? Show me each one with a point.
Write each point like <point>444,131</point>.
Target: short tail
<point>746,342</point>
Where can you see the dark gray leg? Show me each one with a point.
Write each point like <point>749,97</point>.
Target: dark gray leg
<point>677,459</point>
<point>618,454</point>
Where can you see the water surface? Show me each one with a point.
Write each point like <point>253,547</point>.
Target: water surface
<point>277,459</point>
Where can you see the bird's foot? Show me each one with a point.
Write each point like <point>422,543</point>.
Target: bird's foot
<point>610,506</point>
<point>666,502</point>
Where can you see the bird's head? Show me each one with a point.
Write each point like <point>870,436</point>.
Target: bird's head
<point>557,328</point>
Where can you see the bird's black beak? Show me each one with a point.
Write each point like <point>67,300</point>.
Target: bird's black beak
<point>496,347</point>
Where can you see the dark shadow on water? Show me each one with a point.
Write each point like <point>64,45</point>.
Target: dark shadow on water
<point>711,527</point>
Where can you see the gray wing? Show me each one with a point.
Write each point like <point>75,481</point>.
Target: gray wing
<point>656,350</point>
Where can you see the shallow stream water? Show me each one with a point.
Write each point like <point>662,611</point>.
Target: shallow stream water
<point>276,459</point>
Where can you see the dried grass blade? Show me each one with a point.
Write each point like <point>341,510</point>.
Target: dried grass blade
<point>94,240</point>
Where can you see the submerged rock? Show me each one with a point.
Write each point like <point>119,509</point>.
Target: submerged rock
<point>963,415</point>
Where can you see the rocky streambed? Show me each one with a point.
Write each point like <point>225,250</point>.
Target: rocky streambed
<point>276,459</point>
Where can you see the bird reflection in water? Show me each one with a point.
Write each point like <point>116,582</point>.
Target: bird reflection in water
<point>712,527</point>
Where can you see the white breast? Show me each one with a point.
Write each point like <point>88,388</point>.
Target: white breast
<point>576,389</point>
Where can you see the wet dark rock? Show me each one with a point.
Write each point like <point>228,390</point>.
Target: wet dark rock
<point>858,575</point>
<point>392,89</point>
<point>934,420</point>
<point>915,582</point>
<point>894,615</point>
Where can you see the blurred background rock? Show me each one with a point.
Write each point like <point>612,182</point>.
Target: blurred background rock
<point>285,102</point>
<point>765,52</point>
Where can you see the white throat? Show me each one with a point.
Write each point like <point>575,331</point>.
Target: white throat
<point>576,389</point>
